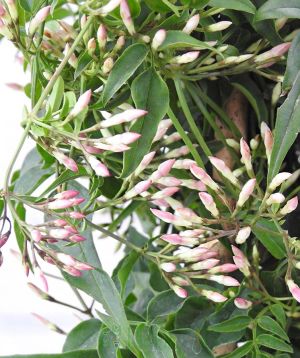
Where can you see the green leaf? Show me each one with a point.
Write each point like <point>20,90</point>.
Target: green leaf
<point>270,237</point>
<point>241,351</point>
<point>83,336</point>
<point>286,129</point>
<point>157,5</point>
<point>240,5</point>
<point>32,6</point>
<point>278,311</point>
<point>123,69</point>
<point>57,95</point>
<point>83,61</point>
<point>126,268</point>
<point>189,344</point>
<point>150,343</point>
<point>163,304</point>
<point>107,344</point>
<point>74,354</point>
<point>234,324</point>
<point>269,324</point>
<point>272,342</point>
<point>293,64</point>
<point>274,9</point>
<point>149,92</point>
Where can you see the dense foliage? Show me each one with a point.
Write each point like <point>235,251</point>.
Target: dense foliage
<point>176,121</point>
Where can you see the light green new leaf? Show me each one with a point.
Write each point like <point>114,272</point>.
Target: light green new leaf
<point>286,129</point>
<point>269,324</point>
<point>272,342</point>
<point>274,9</point>
<point>240,5</point>
<point>123,69</point>
<point>150,343</point>
<point>149,92</point>
<point>293,64</point>
<point>234,324</point>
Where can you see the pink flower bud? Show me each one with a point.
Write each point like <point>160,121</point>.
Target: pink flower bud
<point>138,189</point>
<point>77,201</point>
<point>59,204</point>
<point>83,266</point>
<point>213,296</point>
<point>124,138</point>
<point>220,165</point>
<point>102,36</point>
<point>204,177</point>
<point>36,235</point>
<point>59,233</point>
<point>278,180</point>
<point>58,222</point>
<point>204,265</point>
<point>126,17</point>
<point>189,215</point>
<point>193,184</point>
<point>73,59</point>
<point>179,291</point>
<point>162,129</point>
<point>69,163</point>
<point>179,281</point>
<point>144,163</point>
<point>276,51</point>
<point>67,194</point>
<point>38,19</point>
<point>82,103</point>
<point>38,291</point>
<point>243,235</point>
<point>192,24</point>
<point>223,280</point>
<point>109,7</point>
<point>172,138</point>
<point>158,39</point>
<point>65,259</point>
<point>72,271</point>
<point>168,267</point>
<point>192,233</point>
<point>209,203</point>
<point>294,289</point>
<point>124,117</point>
<point>290,206</point>
<point>268,139</point>
<point>246,192</point>
<point>163,169</point>
<point>42,278</point>
<point>276,198</point>
<point>196,254</point>
<point>184,164</point>
<point>74,215</point>
<point>178,152</point>
<point>241,261</point>
<point>169,181</point>
<point>185,58</point>
<point>99,168</point>
<point>165,193</point>
<point>76,238</point>
<point>242,303</point>
<point>246,155</point>
<point>225,268</point>
<point>176,239</point>
<point>91,46</point>
<point>163,215</point>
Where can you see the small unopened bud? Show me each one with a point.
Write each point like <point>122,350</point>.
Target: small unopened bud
<point>67,194</point>
<point>91,46</point>
<point>254,142</point>
<point>209,203</point>
<point>169,181</point>
<point>290,206</point>
<point>242,303</point>
<point>192,24</point>
<point>185,58</point>
<point>108,64</point>
<point>184,164</point>
<point>74,215</point>
<point>138,189</point>
<point>179,291</point>
<point>243,235</point>
<point>119,44</point>
<point>82,103</point>
<point>164,193</point>
<point>224,280</point>
<point>268,139</point>
<point>291,180</point>
<point>168,267</point>
<point>241,261</point>
<point>213,296</point>
<point>38,19</point>
<point>59,233</point>
<point>204,265</point>
<point>193,184</point>
<point>126,17</point>
<point>38,291</point>
<point>219,26</point>
<point>36,235</point>
<point>276,51</point>
<point>109,7</point>
<point>158,39</point>
<point>246,155</point>
<point>246,192</point>
<point>204,177</point>
<point>99,168</point>
<point>220,165</point>
<point>66,161</point>
<point>180,281</point>
<point>225,268</point>
<point>42,278</point>
<point>176,239</point>
<point>124,117</point>
<point>72,271</point>
<point>76,238</point>
<point>163,169</point>
<point>294,289</point>
<point>48,324</point>
<point>278,180</point>
<point>178,152</point>
<point>232,143</point>
<point>189,215</point>
<point>102,36</point>
<point>83,21</point>
<point>163,126</point>
<point>144,163</point>
<point>163,215</point>
<point>276,198</point>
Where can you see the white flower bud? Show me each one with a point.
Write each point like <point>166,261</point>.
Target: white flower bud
<point>243,235</point>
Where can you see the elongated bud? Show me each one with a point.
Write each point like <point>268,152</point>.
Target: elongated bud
<point>126,17</point>
<point>184,164</point>
<point>65,259</point>
<point>42,279</point>
<point>76,238</point>
<point>158,39</point>
<point>254,142</point>
<point>241,261</point>
<point>176,239</point>
<point>74,215</point>
<point>38,291</point>
<point>119,44</point>
<point>144,163</point>
<point>168,267</point>
<point>91,46</point>
<point>36,235</point>
<point>278,180</point>
<point>138,189</point>
<point>223,280</point>
<point>99,168</point>
<point>169,181</point>
<point>243,235</point>
<point>39,18</point>
<point>4,31</point>
<point>193,184</point>
<point>232,143</point>
<point>185,58</point>
<point>59,204</point>
<point>73,59</point>
<point>189,215</point>
<point>276,51</point>
<point>109,7</point>
<point>246,192</point>
<point>290,206</point>
<point>59,233</point>
<point>102,36</point>
<point>66,161</point>
<point>77,201</point>
<point>163,169</point>
<point>108,64</point>
<point>204,265</point>
<point>196,254</point>
<point>72,271</point>
<point>179,291</point>
<point>276,198</point>
<point>178,152</point>
<point>124,117</point>
<point>192,233</point>
<point>82,103</point>
<point>163,126</point>
<point>225,268</point>
<point>204,177</point>
<point>166,192</point>
<point>242,303</point>
<point>268,139</point>
<point>192,24</point>
<point>294,289</point>
<point>48,324</point>
<point>163,215</point>
<point>219,26</point>
<point>172,138</point>
<point>213,296</point>
<point>209,203</point>
<point>220,165</point>
<point>67,194</point>
<point>246,155</point>
<point>180,281</point>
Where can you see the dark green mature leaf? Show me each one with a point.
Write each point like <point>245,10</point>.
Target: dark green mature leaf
<point>83,61</point>
<point>107,344</point>
<point>279,312</point>
<point>31,180</point>
<point>234,324</point>
<point>83,336</point>
<point>149,92</point>
<point>269,324</point>
<point>123,69</point>
<point>272,342</point>
<point>189,344</point>
<point>274,9</point>
<point>150,343</point>
<point>157,5</point>
<point>240,5</point>
<point>293,64</point>
<point>241,351</point>
<point>286,129</point>
<point>126,268</point>
<point>74,354</point>
<point>270,237</point>
<point>163,304</point>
